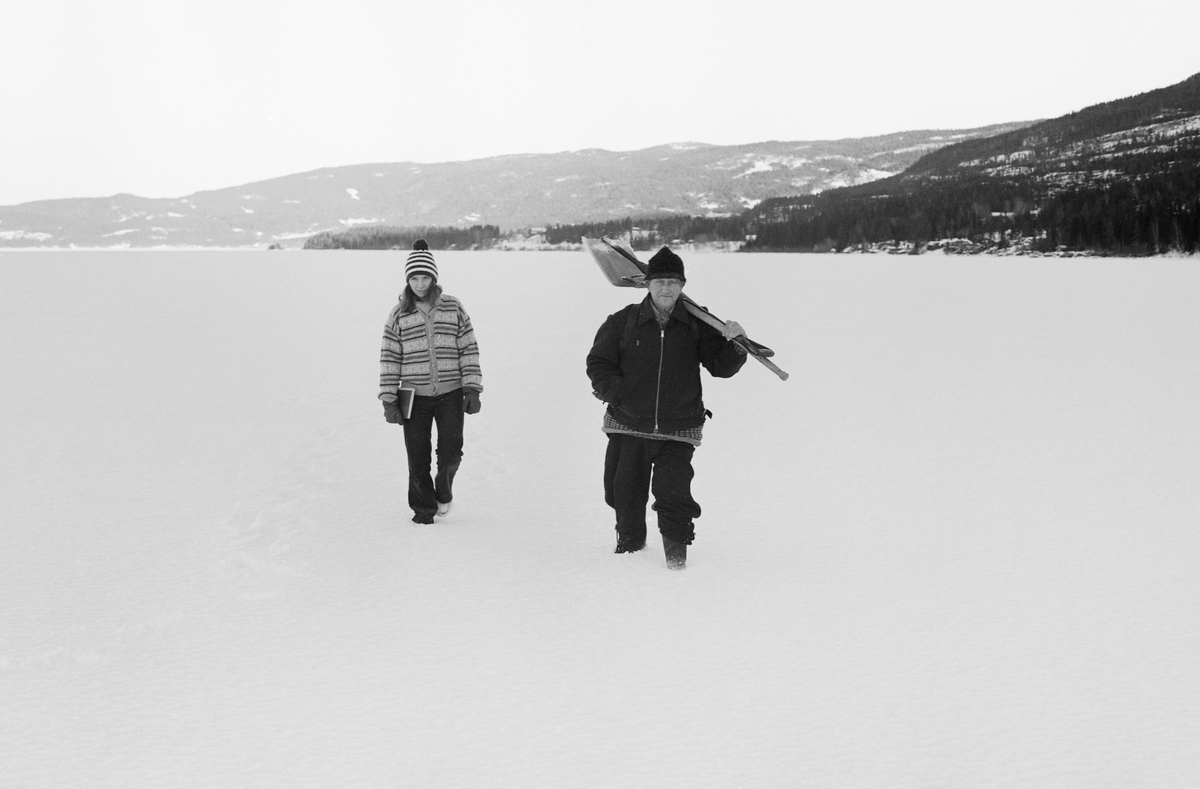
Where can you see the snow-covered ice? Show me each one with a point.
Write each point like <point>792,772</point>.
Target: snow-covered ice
<point>958,548</point>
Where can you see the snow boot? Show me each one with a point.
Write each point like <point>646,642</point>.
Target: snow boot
<point>627,544</point>
<point>421,517</point>
<point>443,484</point>
<point>676,553</point>
<point>443,508</point>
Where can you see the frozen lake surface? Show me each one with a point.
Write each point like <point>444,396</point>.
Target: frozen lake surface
<point>958,548</point>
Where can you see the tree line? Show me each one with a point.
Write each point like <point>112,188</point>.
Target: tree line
<point>648,233</point>
<point>1143,215</point>
<point>389,237</point>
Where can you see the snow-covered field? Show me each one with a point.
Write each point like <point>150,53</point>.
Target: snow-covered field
<point>960,547</point>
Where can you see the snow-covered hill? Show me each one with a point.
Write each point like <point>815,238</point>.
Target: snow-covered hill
<point>1120,178</point>
<point>511,192</point>
<point>1136,139</point>
<point>957,548</point>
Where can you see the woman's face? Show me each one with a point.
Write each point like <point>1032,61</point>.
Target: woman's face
<point>420,284</point>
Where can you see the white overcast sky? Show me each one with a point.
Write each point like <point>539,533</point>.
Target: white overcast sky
<point>162,99</point>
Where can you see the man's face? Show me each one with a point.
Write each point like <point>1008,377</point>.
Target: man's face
<point>665,292</point>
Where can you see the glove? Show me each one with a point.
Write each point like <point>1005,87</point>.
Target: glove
<point>391,412</point>
<point>471,401</point>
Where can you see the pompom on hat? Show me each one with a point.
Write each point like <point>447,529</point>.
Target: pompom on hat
<point>420,261</point>
<point>665,265</point>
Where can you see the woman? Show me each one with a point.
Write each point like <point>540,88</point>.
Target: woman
<point>428,343</point>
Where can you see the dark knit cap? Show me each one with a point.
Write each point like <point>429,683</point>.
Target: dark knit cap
<point>420,261</point>
<point>665,265</point>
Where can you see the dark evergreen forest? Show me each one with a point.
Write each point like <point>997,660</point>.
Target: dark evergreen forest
<point>387,237</point>
<point>1151,215</point>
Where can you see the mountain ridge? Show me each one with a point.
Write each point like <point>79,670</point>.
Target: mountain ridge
<point>511,191</point>
<point>1120,177</point>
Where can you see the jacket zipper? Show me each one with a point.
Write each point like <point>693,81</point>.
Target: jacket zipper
<point>662,341</point>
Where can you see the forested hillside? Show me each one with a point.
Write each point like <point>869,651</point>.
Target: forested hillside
<point>1118,178</point>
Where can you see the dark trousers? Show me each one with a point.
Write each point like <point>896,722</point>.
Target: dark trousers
<point>633,468</point>
<point>446,410</point>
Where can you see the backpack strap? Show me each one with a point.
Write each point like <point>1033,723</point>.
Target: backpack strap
<point>630,322</point>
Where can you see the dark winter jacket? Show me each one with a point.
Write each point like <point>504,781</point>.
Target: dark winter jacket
<point>652,380</point>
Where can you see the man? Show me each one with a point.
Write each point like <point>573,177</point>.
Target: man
<point>645,364</point>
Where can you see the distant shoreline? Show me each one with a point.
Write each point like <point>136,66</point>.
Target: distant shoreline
<point>902,249</point>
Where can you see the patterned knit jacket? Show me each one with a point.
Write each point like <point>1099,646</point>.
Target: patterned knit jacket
<point>408,338</point>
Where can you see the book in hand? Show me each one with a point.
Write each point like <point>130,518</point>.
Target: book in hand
<point>404,396</point>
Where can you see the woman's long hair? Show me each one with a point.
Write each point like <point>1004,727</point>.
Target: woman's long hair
<point>408,299</point>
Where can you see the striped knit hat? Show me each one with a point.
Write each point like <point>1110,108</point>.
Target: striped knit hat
<point>420,261</point>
